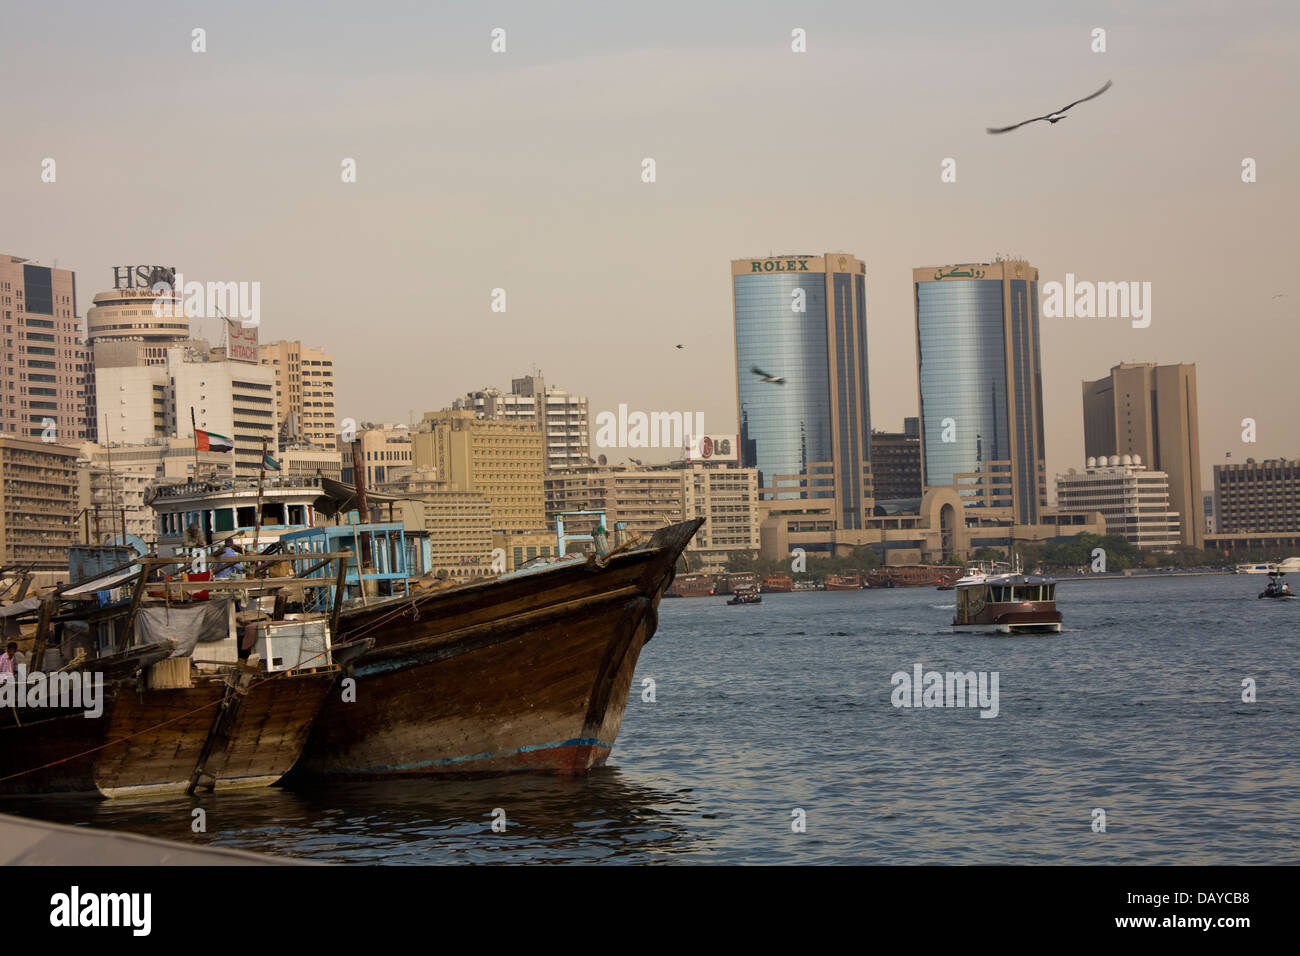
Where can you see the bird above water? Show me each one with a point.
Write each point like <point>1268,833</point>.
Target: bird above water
<point>1054,117</point>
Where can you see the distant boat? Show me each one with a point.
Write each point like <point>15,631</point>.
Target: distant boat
<point>691,585</point>
<point>778,582</point>
<point>738,581</point>
<point>1277,587</point>
<point>1289,566</point>
<point>913,576</point>
<point>843,582</point>
<point>1254,569</point>
<point>747,596</point>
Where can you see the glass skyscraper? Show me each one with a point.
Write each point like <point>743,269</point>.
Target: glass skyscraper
<point>803,319</point>
<point>980,378</point>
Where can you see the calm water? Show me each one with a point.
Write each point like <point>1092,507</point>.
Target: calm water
<point>1135,709</point>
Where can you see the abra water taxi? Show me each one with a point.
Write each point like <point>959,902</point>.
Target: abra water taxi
<point>1006,604</point>
<point>746,596</point>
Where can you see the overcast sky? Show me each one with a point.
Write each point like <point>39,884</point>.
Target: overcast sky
<point>522,171</point>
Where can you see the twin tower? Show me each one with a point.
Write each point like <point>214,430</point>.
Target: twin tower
<point>802,318</point>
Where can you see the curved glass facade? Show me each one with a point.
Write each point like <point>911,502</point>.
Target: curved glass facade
<point>782,427</point>
<point>963,373</point>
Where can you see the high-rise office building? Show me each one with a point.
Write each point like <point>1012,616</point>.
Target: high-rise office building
<point>304,391</point>
<point>147,404</point>
<point>981,385</point>
<point>1150,410</point>
<point>805,415</point>
<point>561,416</point>
<point>43,363</point>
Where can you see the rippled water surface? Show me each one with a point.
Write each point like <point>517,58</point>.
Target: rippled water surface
<point>760,710</point>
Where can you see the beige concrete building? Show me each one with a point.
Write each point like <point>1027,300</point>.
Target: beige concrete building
<point>646,499</point>
<point>307,459</point>
<point>460,532</point>
<point>44,366</point>
<point>111,501</point>
<point>1150,411</point>
<point>386,451</point>
<point>304,391</point>
<point>561,416</point>
<point>164,460</point>
<point>501,460</point>
<point>38,503</point>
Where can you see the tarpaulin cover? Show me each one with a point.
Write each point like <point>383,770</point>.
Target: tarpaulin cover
<point>200,623</point>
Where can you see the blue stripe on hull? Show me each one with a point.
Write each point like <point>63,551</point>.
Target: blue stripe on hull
<point>448,761</point>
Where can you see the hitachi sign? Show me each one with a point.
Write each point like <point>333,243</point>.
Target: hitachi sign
<point>142,277</point>
<point>779,265</point>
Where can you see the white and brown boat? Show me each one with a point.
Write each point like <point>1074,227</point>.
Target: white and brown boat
<point>1006,604</point>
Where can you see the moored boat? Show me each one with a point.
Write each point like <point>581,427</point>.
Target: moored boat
<point>691,585</point>
<point>1006,604</point>
<point>165,698</point>
<point>778,582</point>
<point>530,670</point>
<point>913,576</point>
<point>843,582</point>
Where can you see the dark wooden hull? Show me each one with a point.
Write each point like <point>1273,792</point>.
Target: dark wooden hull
<point>524,673</point>
<point>152,741</point>
<point>1018,617</point>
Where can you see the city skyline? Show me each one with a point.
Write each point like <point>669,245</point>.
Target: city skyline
<point>521,179</point>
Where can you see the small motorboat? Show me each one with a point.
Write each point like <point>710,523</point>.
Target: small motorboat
<point>1277,586</point>
<point>746,596</point>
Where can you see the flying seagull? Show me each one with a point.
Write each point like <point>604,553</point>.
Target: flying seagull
<point>681,346</point>
<point>771,379</point>
<point>1054,117</point>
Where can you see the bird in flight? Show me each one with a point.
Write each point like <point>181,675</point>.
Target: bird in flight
<point>771,379</point>
<point>1053,117</point>
<point>681,346</point>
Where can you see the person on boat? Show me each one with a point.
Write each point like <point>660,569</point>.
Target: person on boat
<point>230,551</point>
<point>10,659</point>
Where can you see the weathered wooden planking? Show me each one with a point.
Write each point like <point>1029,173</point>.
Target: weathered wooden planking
<point>521,673</point>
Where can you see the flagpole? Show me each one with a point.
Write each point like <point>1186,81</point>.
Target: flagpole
<point>195,429</point>
<point>257,528</point>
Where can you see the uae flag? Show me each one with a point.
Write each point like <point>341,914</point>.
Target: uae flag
<point>269,463</point>
<point>211,441</point>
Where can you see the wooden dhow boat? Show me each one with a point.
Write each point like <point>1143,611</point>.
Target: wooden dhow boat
<point>530,670</point>
<point>146,696</point>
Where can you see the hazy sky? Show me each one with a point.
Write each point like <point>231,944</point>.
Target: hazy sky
<point>522,170</point>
